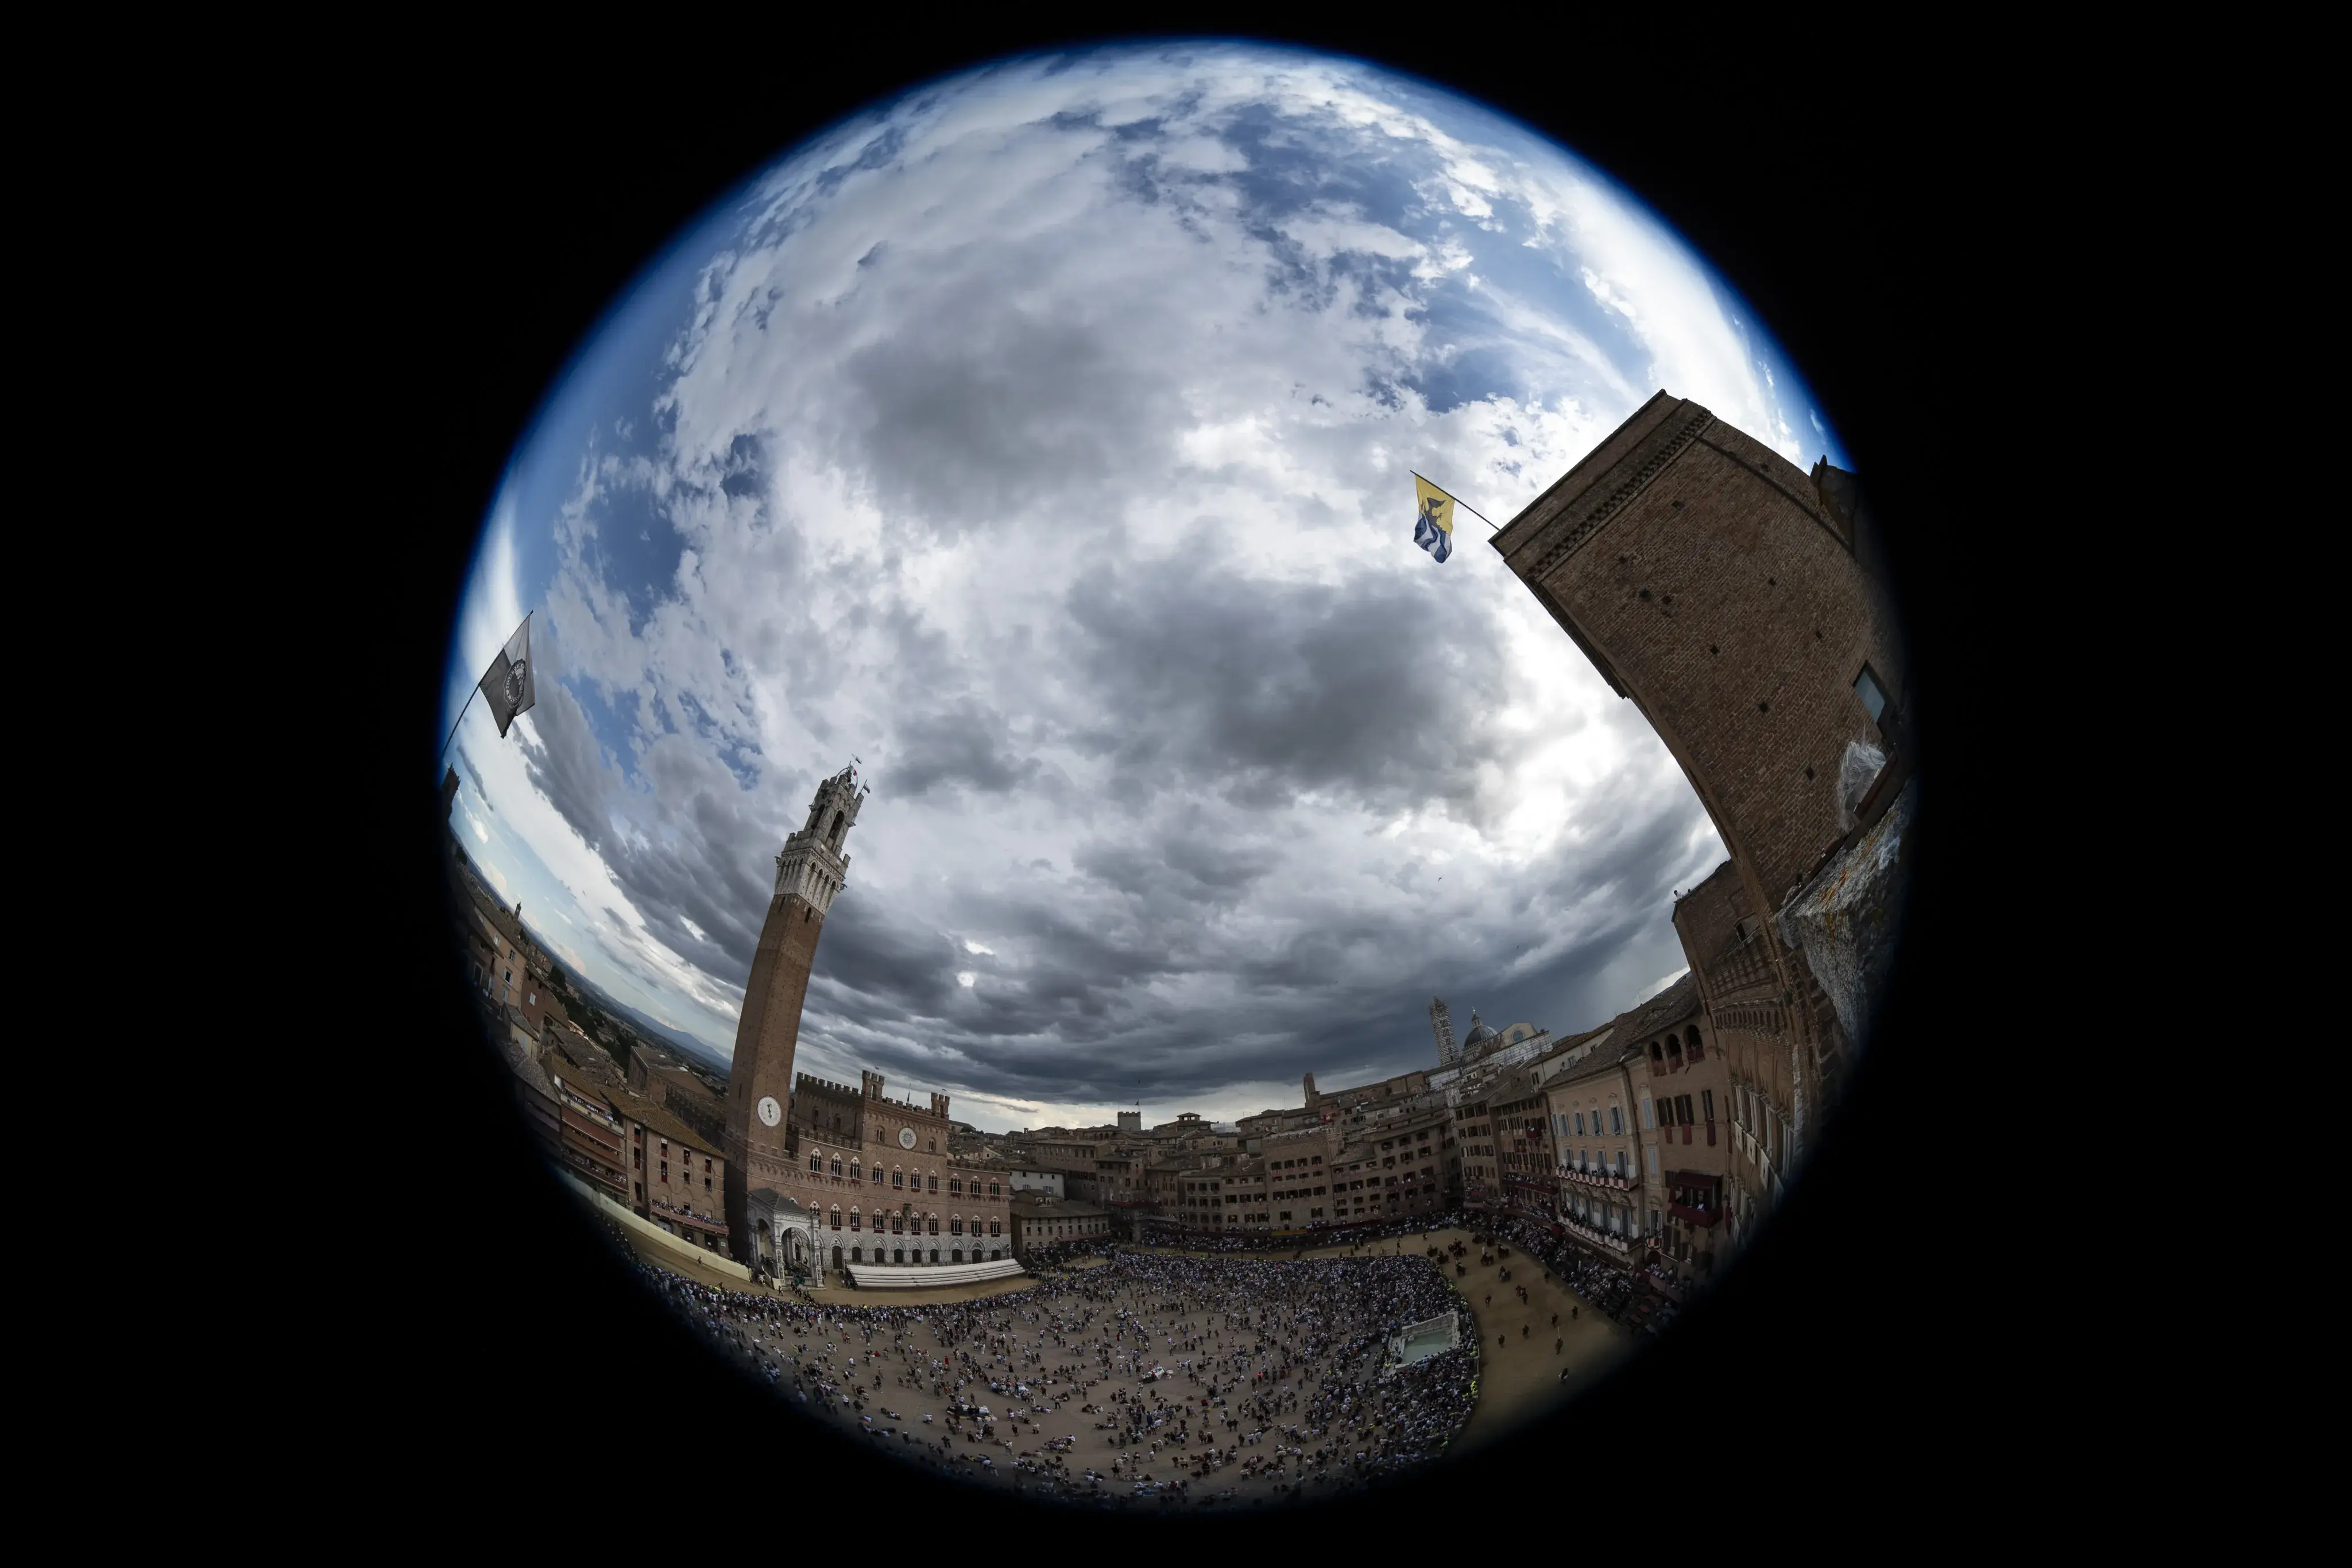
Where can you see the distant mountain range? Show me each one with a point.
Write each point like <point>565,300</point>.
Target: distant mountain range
<point>644,1026</point>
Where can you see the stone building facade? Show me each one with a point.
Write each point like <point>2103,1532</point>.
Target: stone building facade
<point>1399,1170</point>
<point>1474,1135</point>
<point>1685,1089</point>
<point>1041,1222</point>
<point>1525,1162</point>
<point>1732,598</point>
<point>1757,1019</point>
<point>1598,1154</point>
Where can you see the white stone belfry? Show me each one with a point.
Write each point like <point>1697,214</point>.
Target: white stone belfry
<point>1448,1053</point>
<point>811,864</point>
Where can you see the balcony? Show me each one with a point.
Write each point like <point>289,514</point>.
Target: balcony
<point>660,1210</point>
<point>1621,1246</point>
<point>1601,1179</point>
<point>1705,1218</point>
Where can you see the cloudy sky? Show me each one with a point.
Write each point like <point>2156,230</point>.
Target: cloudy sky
<point>1044,439</point>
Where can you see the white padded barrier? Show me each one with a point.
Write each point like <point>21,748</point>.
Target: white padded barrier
<point>901,1277</point>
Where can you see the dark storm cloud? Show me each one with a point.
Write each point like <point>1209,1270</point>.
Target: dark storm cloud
<point>965,426</point>
<point>1078,1020</point>
<point>968,746</point>
<point>1381,691</point>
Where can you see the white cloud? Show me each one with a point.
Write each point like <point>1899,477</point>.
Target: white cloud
<point>983,469</point>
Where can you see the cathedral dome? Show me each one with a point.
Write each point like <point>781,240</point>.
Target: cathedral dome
<point>1479,1033</point>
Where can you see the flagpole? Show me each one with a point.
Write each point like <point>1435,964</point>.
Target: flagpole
<point>1452,496</point>
<point>475,692</point>
<point>461,718</point>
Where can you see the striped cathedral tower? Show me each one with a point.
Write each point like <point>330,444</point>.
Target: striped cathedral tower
<point>809,872</point>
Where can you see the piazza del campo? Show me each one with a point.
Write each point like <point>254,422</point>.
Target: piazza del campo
<point>1311,1298</point>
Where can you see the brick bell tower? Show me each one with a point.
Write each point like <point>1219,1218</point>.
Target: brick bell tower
<point>809,872</point>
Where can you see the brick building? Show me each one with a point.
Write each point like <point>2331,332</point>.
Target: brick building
<point>677,1175</point>
<point>1401,1171</point>
<point>1742,973</point>
<point>842,1176</point>
<point>1520,1112</point>
<point>590,1140</point>
<point>1474,1135</point>
<point>685,1095</point>
<point>881,1184</point>
<point>1733,599</point>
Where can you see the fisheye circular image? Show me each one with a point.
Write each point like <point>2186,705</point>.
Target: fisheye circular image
<point>1178,776</point>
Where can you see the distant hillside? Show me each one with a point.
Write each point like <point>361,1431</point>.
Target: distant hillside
<point>645,1026</point>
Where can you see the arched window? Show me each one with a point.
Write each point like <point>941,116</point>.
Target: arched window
<point>855,1223</point>
<point>1697,1050</point>
<point>836,1164</point>
<point>1656,1053</point>
<point>837,1217</point>
<point>816,1162</point>
<point>898,1177</point>
<point>853,1167</point>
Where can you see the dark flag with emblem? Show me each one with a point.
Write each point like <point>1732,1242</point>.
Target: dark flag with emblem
<point>511,686</point>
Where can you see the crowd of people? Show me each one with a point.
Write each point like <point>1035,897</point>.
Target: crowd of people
<point>1203,1373</point>
<point>1148,1378</point>
<point>1231,1243</point>
<point>1616,1293</point>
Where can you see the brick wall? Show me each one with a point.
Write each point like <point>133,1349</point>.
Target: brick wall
<point>1704,577</point>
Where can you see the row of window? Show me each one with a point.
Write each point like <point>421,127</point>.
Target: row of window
<point>818,1165</point>
<point>1580,1124</point>
<point>899,1255</point>
<point>1675,1110</point>
<point>922,1224</point>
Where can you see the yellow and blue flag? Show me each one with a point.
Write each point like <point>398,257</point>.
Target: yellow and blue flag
<point>1432,528</point>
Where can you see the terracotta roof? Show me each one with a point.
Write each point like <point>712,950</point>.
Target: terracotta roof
<point>587,1056</point>
<point>531,1073</point>
<point>563,1074</point>
<point>1667,1009</point>
<point>1601,1063</point>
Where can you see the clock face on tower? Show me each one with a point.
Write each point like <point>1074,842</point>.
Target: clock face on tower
<point>905,1137</point>
<point>770,1112</point>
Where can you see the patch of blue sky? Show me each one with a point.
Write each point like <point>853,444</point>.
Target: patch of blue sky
<point>1289,174</point>
<point>635,550</point>
<point>614,729</point>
